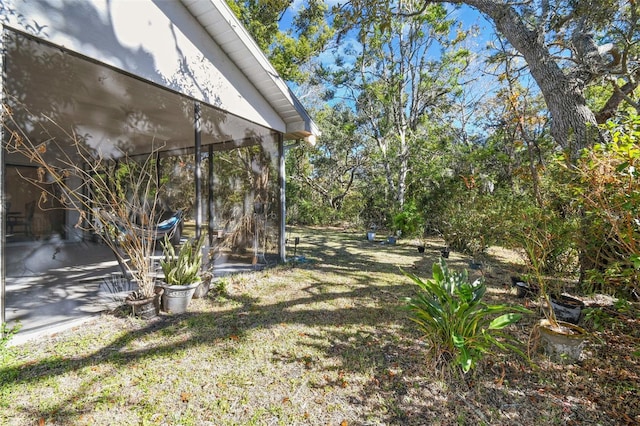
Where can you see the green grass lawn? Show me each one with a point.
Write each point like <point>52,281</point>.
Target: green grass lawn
<point>324,342</point>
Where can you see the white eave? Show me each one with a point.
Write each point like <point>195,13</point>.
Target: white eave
<point>225,29</point>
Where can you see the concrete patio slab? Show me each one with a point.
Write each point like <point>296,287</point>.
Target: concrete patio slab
<point>54,285</point>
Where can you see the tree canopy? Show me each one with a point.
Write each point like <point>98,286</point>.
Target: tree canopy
<point>567,46</point>
<point>461,133</point>
<point>290,49</point>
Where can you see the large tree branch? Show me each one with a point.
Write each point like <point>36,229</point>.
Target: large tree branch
<point>619,95</point>
<point>573,123</point>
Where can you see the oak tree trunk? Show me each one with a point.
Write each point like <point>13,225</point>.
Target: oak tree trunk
<point>573,124</point>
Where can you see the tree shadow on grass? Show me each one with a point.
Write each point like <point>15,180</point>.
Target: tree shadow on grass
<point>368,332</point>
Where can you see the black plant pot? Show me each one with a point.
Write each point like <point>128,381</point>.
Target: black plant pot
<point>147,308</point>
<point>444,253</point>
<point>567,308</point>
<point>476,266</point>
<point>420,249</point>
<point>523,288</point>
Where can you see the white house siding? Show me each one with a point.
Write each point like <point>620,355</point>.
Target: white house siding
<point>159,41</point>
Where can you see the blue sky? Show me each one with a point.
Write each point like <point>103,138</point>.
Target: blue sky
<point>468,16</point>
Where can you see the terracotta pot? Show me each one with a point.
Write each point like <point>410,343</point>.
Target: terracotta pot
<point>563,343</point>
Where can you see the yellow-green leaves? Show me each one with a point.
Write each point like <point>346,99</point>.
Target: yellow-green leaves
<point>504,320</point>
<point>183,268</point>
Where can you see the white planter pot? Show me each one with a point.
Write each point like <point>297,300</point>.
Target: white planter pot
<point>563,344</point>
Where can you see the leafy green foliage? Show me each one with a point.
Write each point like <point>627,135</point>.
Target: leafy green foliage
<point>288,50</point>
<point>397,87</point>
<point>6,333</point>
<point>325,179</point>
<point>182,268</point>
<point>547,239</point>
<point>609,190</point>
<point>409,221</point>
<point>449,310</point>
<point>470,217</point>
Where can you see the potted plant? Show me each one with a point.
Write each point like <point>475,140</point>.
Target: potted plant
<point>562,341</point>
<point>181,273</point>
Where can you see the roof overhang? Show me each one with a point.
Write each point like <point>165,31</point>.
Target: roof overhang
<point>197,48</point>
<point>226,30</point>
<point>56,94</point>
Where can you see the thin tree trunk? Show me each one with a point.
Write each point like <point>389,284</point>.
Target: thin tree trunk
<point>404,170</point>
<point>617,97</point>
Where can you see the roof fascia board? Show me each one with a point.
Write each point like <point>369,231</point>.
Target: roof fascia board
<point>255,59</point>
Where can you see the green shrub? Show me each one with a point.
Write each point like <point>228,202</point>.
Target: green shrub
<point>547,240</point>
<point>608,189</point>
<point>470,219</point>
<point>409,221</point>
<point>458,325</point>
<point>220,287</point>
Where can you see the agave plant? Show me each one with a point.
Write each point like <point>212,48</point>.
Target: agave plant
<point>449,310</point>
<point>182,268</point>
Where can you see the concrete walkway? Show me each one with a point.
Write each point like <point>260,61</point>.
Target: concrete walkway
<point>54,285</point>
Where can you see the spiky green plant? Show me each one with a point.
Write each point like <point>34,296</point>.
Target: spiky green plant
<point>182,268</point>
<point>460,327</point>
